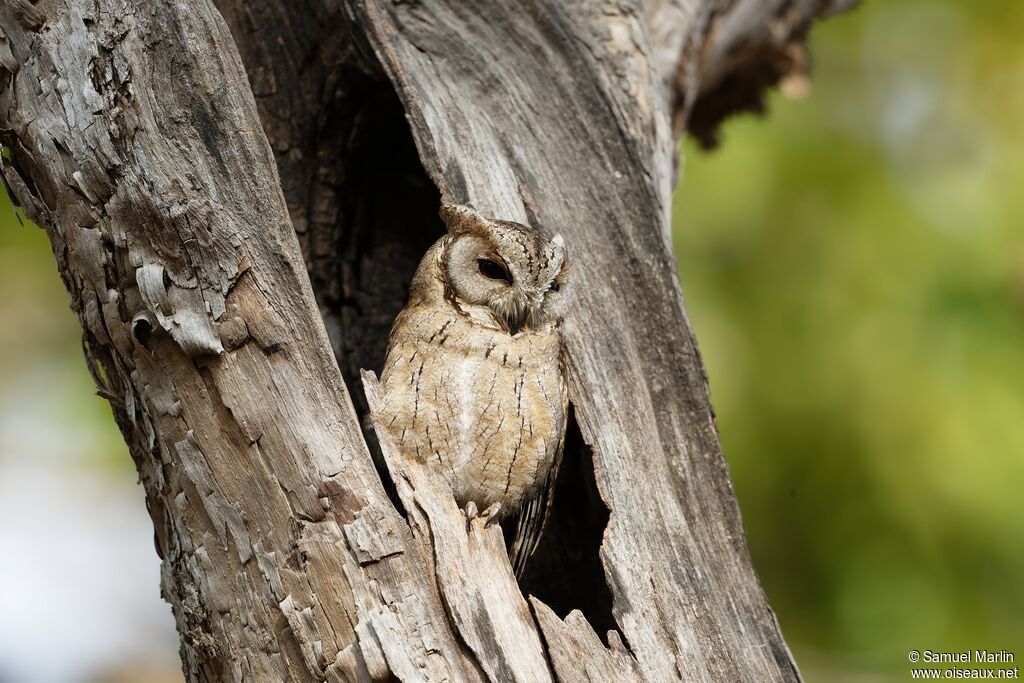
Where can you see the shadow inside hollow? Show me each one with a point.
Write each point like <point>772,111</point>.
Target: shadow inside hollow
<point>566,571</point>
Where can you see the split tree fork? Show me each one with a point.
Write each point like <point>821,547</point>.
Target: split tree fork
<point>237,196</point>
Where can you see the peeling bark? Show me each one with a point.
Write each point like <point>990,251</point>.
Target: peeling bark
<point>134,139</point>
<point>232,236</point>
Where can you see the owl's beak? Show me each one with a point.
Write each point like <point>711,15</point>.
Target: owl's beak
<point>526,312</point>
<point>532,316</point>
<point>516,321</point>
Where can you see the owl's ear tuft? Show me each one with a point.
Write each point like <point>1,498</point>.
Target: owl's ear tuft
<point>461,219</point>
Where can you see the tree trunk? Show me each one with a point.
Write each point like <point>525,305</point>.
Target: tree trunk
<point>214,274</point>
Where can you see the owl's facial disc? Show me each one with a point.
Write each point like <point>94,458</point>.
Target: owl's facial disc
<point>515,273</point>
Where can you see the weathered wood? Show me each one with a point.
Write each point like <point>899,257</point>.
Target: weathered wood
<point>363,208</point>
<point>717,59</point>
<point>135,141</point>
<point>563,134</point>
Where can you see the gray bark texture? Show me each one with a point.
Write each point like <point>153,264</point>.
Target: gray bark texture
<point>237,193</point>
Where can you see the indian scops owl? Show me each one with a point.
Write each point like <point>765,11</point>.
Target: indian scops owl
<point>473,384</point>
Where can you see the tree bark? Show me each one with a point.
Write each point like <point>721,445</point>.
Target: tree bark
<point>230,243</point>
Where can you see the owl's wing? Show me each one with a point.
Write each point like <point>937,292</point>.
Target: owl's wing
<point>535,511</point>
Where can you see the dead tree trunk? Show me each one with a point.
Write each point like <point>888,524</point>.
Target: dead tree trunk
<point>133,135</point>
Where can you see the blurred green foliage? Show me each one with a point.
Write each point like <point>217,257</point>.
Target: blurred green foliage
<point>42,368</point>
<point>854,267</point>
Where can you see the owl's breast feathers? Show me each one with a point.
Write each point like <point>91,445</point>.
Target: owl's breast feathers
<point>485,408</point>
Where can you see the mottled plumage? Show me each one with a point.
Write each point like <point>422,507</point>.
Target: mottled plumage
<point>473,384</point>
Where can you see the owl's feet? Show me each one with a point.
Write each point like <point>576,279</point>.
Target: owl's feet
<point>490,515</point>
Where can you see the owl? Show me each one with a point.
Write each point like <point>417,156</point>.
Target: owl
<point>473,384</point>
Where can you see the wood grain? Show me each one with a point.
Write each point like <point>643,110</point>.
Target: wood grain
<point>230,236</point>
<point>504,113</point>
<point>134,140</point>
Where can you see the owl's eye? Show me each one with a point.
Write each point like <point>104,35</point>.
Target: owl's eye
<point>493,270</point>
<point>555,287</point>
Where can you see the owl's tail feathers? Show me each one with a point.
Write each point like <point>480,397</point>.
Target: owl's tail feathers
<point>528,530</point>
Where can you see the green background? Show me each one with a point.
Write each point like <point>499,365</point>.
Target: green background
<point>854,266</point>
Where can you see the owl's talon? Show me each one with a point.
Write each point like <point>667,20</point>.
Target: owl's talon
<point>490,515</point>
<point>471,514</point>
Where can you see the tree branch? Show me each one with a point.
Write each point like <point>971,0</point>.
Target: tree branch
<point>134,139</point>
<point>551,115</point>
<point>720,58</point>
